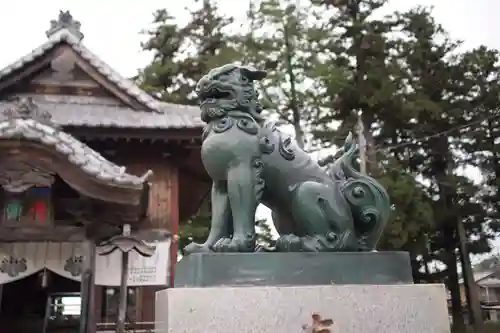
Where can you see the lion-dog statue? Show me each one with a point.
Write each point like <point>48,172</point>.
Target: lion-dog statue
<point>251,161</point>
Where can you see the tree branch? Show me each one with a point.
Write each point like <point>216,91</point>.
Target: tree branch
<point>274,106</point>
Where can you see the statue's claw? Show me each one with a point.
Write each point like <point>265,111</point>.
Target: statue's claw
<point>221,244</point>
<point>196,248</point>
<point>234,244</point>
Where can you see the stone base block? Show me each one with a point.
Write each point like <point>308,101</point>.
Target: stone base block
<point>352,308</point>
<point>292,269</point>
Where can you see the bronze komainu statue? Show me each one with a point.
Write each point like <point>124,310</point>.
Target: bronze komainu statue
<point>251,162</point>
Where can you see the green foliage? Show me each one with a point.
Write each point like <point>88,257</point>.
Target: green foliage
<point>182,54</point>
<point>428,110</point>
<point>194,230</point>
<point>264,232</point>
<point>406,79</point>
<point>282,40</point>
<point>412,217</point>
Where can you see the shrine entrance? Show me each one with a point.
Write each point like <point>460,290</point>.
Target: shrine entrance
<point>59,199</point>
<point>40,302</point>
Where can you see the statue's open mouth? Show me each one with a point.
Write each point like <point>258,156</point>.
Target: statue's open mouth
<point>214,93</point>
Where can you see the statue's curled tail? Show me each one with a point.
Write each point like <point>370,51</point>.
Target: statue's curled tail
<point>367,198</point>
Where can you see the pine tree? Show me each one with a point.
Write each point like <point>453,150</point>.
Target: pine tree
<point>367,55</point>
<point>438,101</point>
<point>182,54</point>
<point>280,39</point>
<point>480,142</point>
<point>359,73</point>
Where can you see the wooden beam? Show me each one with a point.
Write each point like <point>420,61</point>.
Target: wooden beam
<point>174,220</point>
<point>30,69</point>
<point>136,133</point>
<point>87,287</point>
<point>51,82</point>
<point>42,234</point>
<point>63,89</point>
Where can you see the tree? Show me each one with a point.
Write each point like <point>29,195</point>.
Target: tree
<point>264,233</point>
<point>182,54</point>
<point>281,39</point>
<point>439,100</point>
<point>480,143</point>
<point>196,229</point>
<point>371,89</point>
<point>411,95</point>
<point>362,80</point>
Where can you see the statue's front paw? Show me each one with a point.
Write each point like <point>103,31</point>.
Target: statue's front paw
<point>235,244</point>
<point>196,248</point>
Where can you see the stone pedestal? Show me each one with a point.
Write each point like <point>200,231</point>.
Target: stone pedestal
<point>292,269</point>
<point>279,293</point>
<point>353,309</point>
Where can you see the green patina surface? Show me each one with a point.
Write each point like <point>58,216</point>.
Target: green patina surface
<point>251,161</point>
<point>293,269</point>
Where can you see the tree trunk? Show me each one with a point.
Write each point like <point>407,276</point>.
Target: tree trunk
<point>294,105</point>
<point>452,281</point>
<point>447,218</point>
<point>471,289</point>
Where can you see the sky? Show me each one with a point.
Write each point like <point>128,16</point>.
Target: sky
<point>112,28</point>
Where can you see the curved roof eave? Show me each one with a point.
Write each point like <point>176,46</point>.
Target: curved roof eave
<point>77,154</point>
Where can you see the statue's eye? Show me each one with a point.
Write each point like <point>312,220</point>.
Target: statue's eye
<point>244,79</point>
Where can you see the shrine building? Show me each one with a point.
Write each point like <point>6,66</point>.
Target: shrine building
<point>84,151</point>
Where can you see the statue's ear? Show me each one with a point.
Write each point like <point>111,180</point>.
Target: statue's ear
<point>253,74</point>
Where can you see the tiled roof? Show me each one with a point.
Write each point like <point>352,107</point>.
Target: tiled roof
<point>92,112</point>
<point>26,121</point>
<point>156,114</point>
<point>76,152</point>
<point>487,276</point>
<point>489,282</point>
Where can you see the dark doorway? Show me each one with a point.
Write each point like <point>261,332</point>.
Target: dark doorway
<point>24,302</point>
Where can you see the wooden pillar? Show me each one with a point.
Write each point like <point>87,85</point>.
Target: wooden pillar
<point>148,304</point>
<point>98,303</point>
<point>122,305</point>
<point>87,288</point>
<point>174,220</point>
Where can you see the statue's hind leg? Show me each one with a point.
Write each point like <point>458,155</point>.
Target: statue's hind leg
<point>324,219</point>
<point>221,221</point>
